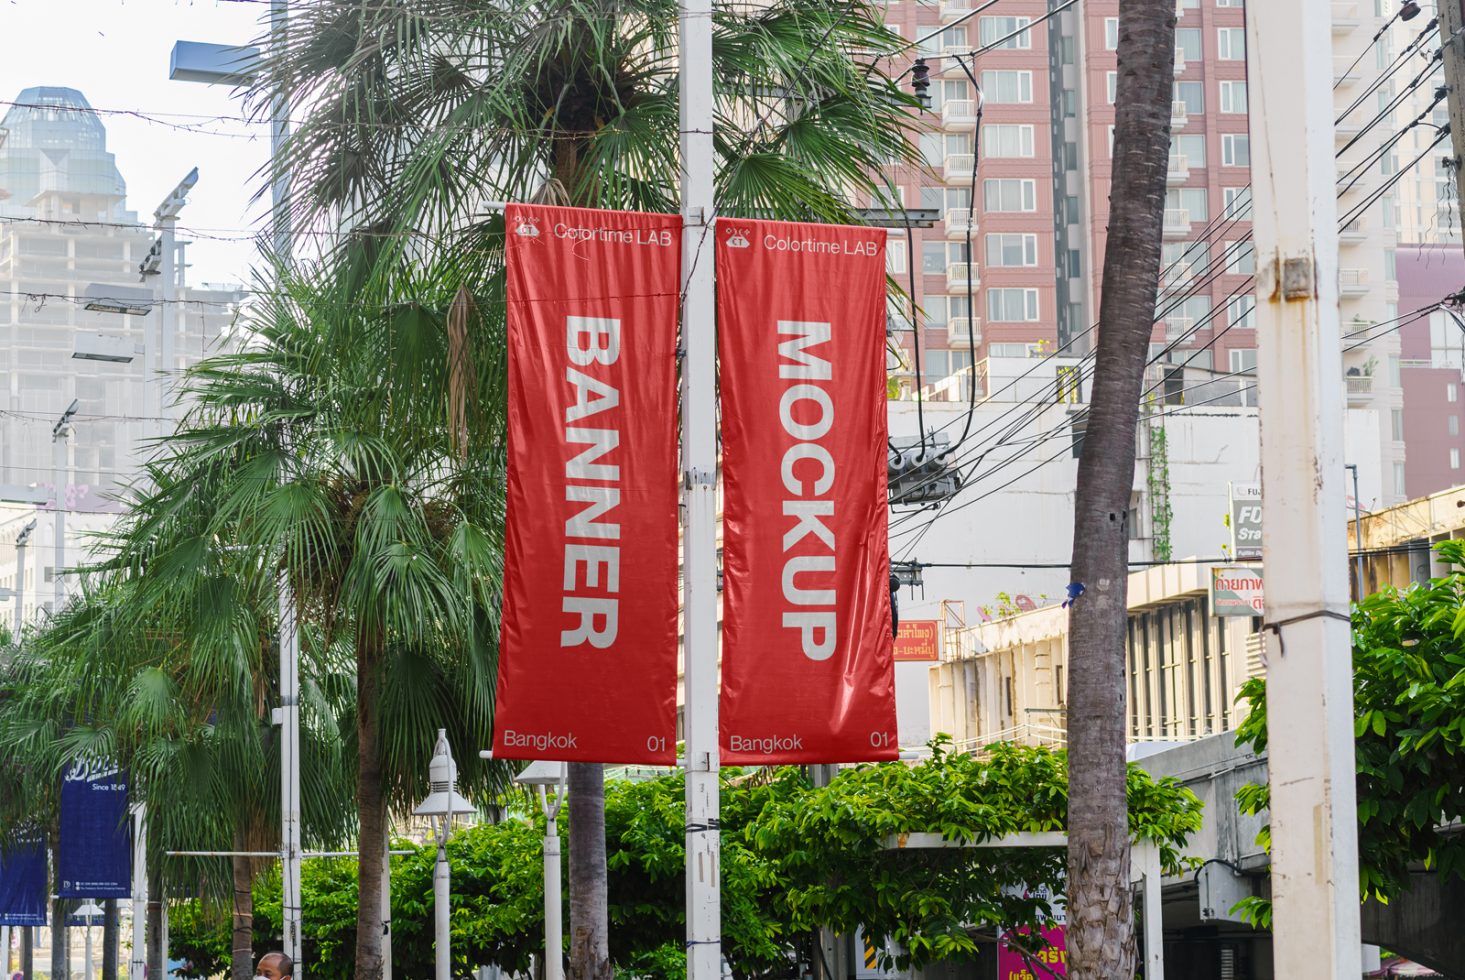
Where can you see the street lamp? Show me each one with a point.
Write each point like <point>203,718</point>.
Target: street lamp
<point>59,433</point>
<point>542,775</point>
<point>88,915</point>
<point>21,540</point>
<point>443,802</point>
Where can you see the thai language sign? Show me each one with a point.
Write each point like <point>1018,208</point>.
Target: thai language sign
<point>807,662</point>
<point>918,639</point>
<point>1236,590</point>
<point>588,647</point>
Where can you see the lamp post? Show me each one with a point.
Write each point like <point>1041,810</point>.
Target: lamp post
<point>86,917</point>
<point>541,776</point>
<point>59,461</point>
<point>443,802</point>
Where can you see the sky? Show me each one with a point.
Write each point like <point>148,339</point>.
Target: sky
<point>116,52</point>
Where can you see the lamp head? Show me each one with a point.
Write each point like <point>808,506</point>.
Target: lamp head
<point>921,82</point>
<point>1409,10</point>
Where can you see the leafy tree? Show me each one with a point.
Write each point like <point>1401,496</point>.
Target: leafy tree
<point>415,113</point>
<point>781,837</point>
<point>1100,922</point>
<point>1409,723</point>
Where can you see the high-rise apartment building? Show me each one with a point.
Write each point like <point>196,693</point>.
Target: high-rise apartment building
<point>64,225</point>
<point>1038,208</point>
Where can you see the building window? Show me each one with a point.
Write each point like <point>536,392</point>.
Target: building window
<point>1111,33</point>
<point>1020,305</point>
<point>1111,78</point>
<point>1240,258</point>
<point>1231,43</point>
<point>1193,94</point>
<point>1190,147</point>
<point>895,258</point>
<point>1010,194</point>
<point>1454,425</point>
<point>1237,201</point>
<point>1188,43</point>
<point>1007,86</point>
<point>993,29</point>
<point>933,258</point>
<point>1237,3</point>
<point>1454,459</point>
<point>1396,420</point>
<point>1236,150</point>
<point>1007,140</point>
<point>1008,250</point>
<point>1452,394</point>
<point>1233,96</point>
<point>1192,200</point>
<point>1243,360</point>
<point>1241,312</point>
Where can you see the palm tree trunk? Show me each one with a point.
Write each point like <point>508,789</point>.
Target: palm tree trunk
<point>589,908</point>
<point>241,961</point>
<point>1100,921</point>
<point>109,940</point>
<point>60,948</point>
<point>371,808</point>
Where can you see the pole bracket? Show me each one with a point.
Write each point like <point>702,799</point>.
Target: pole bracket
<point>698,478</point>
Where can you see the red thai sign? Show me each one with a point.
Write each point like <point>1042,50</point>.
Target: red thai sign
<point>918,639</point>
<point>588,645</point>
<point>807,674</point>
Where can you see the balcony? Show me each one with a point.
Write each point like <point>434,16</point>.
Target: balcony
<point>952,9</point>
<point>959,114</point>
<point>956,331</point>
<point>956,276</point>
<point>1179,63</point>
<point>1352,233</point>
<point>1360,388</point>
<point>1177,327</point>
<point>1177,222</point>
<point>1345,72</point>
<point>1178,170</point>
<point>1353,282</point>
<point>1345,17</point>
<point>958,167</point>
<point>958,222</point>
<point>1179,115</point>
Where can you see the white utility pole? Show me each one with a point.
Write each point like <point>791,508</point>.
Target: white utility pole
<point>554,966</point>
<point>1314,817</point>
<point>166,221</point>
<point>60,468</point>
<point>137,965</point>
<point>699,494</point>
<point>289,721</point>
<point>20,542</point>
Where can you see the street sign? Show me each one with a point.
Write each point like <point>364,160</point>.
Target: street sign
<point>1237,591</point>
<point>1246,520</point>
<point>918,639</point>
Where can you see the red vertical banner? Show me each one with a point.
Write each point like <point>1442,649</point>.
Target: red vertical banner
<point>807,669</point>
<point>588,645</point>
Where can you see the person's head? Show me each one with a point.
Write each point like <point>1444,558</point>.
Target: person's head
<point>274,966</point>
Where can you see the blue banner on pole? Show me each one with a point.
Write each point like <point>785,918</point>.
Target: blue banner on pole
<point>94,859</point>
<point>23,883</point>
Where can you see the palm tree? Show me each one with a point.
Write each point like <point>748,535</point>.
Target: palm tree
<point>1101,929</point>
<point>420,112</point>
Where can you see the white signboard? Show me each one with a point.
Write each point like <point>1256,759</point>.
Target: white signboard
<point>1237,591</point>
<point>1246,520</point>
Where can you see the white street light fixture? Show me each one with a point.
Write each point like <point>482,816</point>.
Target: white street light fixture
<point>213,64</point>
<point>541,776</point>
<point>173,203</point>
<point>102,347</point>
<point>129,300</point>
<point>443,802</point>
<point>86,916</point>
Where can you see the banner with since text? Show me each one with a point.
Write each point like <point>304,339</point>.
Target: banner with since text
<point>807,669</point>
<point>588,645</point>
<point>94,859</point>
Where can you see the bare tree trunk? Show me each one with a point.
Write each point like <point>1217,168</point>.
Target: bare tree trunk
<point>1100,920</point>
<point>241,960</point>
<point>109,939</point>
<point>371,807</point>
<point>60,948</point>
<point>589,908</point>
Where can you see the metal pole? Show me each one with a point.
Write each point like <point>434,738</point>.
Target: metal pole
<point>137,963</point>
<point>1153,909</point>
<point>440,913</point>
<point>699,480</point>
<point>168,322</point>
<point>1358,533</point>
<point>5,949</point>
<point>554,964</point>
<point>290,773</point>
<point>386,910</point>
<point>20,543</point>
<point>279,132</point>
<point>59,477</point>
<point>1314,817</point>
<point>90,972</point>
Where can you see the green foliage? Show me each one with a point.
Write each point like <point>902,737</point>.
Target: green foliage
<point>1409,724</point>
<point>794,858</point>
<point>1157,478</point>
